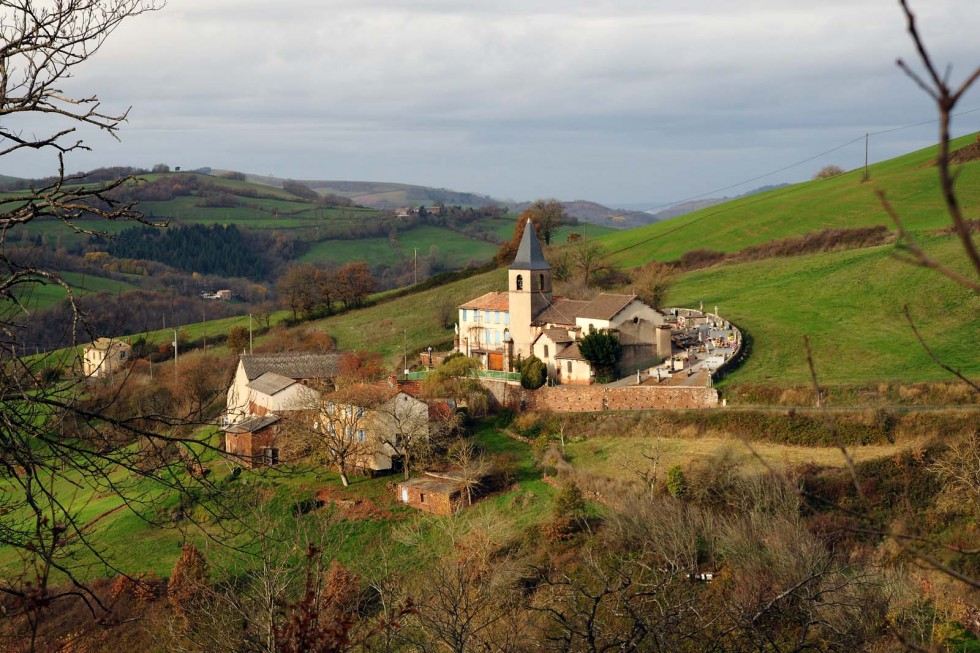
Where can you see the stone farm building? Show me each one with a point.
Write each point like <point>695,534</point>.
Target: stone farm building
<point>499,328</point>
<point>270,388</point>
<point>104,357</point>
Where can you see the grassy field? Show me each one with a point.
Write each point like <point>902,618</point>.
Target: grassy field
<point>850,305</point>
<point>41,297</point>
<point>455,249</point>
<point>911,184</point>
<point>622,458</point>
<point>414,319</point>
<point>353,538</point>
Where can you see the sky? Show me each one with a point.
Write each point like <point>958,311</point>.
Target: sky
<point>625,102</point>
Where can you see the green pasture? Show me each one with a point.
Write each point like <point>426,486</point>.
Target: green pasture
<point>850,305</point>
<point>452,247</point>
<point>910,183</point>
<point>37,296</point>
<point>385,327</point>
<point>410,537</point>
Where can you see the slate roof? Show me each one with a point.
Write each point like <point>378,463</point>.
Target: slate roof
<point>492,301</point>
<point>605,306</point>
<point>570,352</point>
<point>434,485</point>
<point>529,255</point>
<point>561,311</point>
<point>252,424</point>
<point>270,383</point>
<point>295,365</point>
<point>557,335</point>
<point>105,344</point>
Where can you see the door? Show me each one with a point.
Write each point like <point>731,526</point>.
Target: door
<point>495,362</point>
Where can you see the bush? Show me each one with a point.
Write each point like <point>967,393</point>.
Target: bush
<point>829,171</point>
<point>533,373</point>
<point>676,483</point>
<point>569,502</point>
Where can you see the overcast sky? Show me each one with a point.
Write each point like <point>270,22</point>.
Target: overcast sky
<point>619,101</point>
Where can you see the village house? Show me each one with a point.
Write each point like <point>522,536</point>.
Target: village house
<point>104,357</point>
<point>499,328</point>
<point>278,382</point>
<point>270,391</point>
<point>379,418</point>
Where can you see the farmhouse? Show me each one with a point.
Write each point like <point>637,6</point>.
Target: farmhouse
<point>377,420</point>
<point>273,383</point>
<point>104,357</point>
<point>499,328</point>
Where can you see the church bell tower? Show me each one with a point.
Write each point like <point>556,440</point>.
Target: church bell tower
<point>529,290</point>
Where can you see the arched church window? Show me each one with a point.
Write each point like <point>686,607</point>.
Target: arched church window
<point>520,282</point>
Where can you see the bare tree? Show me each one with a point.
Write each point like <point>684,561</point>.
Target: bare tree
<point>333,427</point>
<point>472,465</point>
<point>62,434</point>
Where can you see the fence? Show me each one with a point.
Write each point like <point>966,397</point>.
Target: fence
<point>492,375</point>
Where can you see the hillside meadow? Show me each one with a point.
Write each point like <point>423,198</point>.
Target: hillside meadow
<point>910,182</point>
<point>850,305</point>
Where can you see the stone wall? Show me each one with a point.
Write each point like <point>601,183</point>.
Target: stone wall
<point>593,398</point>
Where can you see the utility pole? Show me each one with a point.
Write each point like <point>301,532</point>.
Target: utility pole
<point>416,266</point>
<point>249,334</point>
<point>175,359</point>
<point>866,176</point>
<point>405,332</point>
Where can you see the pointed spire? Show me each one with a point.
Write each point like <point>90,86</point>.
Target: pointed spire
<point>529,256</point>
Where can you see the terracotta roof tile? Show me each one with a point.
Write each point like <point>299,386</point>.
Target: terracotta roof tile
<point>561,311</point>
<point>570,352</point>
<point>605,306</point>
<point>492,301</point>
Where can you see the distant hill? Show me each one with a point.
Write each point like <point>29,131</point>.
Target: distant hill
<point>384,195</point>
<point>603,216</point>
<point>684,208</point>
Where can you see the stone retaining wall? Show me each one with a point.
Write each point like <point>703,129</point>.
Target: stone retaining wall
<point>596,398</point>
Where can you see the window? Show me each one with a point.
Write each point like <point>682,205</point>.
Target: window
<point>421,497</point>
<point>360,435</point>
<point>546,351</point>
<point>569,367</point>
<point>271,456</point>
<point>591,328</point>
<point>541,283</point>
<point>506,318</point>
<point>360,412</point>
<point>496,337</point>
<point>520,282</point>
<point>496,317</point>
<point>463,313</point>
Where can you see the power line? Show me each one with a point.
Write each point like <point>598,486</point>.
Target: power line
<point>807,160</point>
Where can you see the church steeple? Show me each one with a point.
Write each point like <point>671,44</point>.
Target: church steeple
<point>529,256</point>
<point>529,287</point>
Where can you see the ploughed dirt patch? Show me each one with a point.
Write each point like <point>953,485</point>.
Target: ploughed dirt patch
<point>965,154</point>
<point>354,509</point>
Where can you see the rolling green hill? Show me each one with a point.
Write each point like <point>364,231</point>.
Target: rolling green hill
<point>910,182</point>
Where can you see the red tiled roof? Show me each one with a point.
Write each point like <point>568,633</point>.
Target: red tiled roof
<point>492,301</point>
<point>605,306</point>
<point>561,311</point>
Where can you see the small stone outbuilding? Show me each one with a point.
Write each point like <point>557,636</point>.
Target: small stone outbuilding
<point>253,441</point>
<point>439,495</point>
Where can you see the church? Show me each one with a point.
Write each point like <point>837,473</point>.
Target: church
<point>499,328</point>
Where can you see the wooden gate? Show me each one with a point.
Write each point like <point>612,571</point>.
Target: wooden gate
<point>495,362</point>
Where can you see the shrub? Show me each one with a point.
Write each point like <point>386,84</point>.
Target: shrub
<point>533,373</point>
<point>569,502</point>
<point>829,171</point>
<point>676,483</point>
